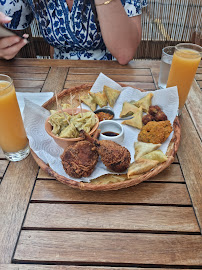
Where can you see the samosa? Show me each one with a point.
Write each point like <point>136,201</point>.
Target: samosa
<point>142,148</point>
<point>136,121</point>
<point>145,102</point>
<point>141,166</point>
<point>99,98</point>
<point>111,94</point>
<point>89,101</point>
<point>155,155</point>
<point>128,109</point>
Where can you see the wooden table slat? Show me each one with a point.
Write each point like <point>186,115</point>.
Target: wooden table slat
<point>55,80</point>
<point>171,174</point>
<point>199,76</point>
<point>73,267</point>
<point>199,70</point>
<point>194,107</point>
<point>25,69</point>
<point>199,83</point>
<point>189,154</point>
<point>111,217</point>
<point>33,62</point>
<point>117,78</point>
<point>107,71</point>
<point>28,84</point>
<point>3,166</point>
<point>28,89</point>
<point>15,192</point>
<point>1,154</point>
<point>105,248</point>
<point>27,76</point>
<point>144,193</point>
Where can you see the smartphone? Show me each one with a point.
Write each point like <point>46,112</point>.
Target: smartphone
<point>5,32</point>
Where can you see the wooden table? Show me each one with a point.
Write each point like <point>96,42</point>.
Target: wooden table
<point>156,224</point>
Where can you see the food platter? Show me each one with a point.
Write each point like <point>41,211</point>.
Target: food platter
<point>110,181</point>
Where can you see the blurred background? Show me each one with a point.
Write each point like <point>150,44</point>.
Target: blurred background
<point>164,23</point>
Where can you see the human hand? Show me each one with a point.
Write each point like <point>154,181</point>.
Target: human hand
<point>10,46</point>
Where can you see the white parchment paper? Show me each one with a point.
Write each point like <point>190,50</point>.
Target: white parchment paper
<point>46,148</point>
<point>37,98</point>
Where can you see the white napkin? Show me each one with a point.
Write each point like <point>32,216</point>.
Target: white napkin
<point>46,148</point>
<point>37,98</point>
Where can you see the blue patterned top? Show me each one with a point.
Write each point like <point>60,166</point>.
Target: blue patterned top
<point>72,34</point>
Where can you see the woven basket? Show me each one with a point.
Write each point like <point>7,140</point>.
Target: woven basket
<point>106,182</point>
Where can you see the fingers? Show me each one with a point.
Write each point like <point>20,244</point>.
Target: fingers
<point>10,46</point>
<point>8,41</point>
<point>16,43</point>
<point>4,18</point>
<point>25,35</point>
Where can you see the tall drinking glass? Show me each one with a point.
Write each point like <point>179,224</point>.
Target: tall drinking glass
<point>185,62</point>
<point>13,140</point>
<point>166,60</point>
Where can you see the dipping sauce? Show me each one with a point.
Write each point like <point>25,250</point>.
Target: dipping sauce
<point>110,133</point>
<point>104,116</point>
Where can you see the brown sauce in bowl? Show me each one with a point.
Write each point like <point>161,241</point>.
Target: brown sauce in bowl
<point>110,133</point>
<point>104,116</point>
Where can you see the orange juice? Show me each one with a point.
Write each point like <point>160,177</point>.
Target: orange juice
<point>12,133</point>
<point>183,69</point>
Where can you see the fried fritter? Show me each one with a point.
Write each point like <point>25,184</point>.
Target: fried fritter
<point>158,114</point>
<point>147,118</point>
<point>155,114</point>
<point>154,109</point>
<point>155,132</point>
<point>80,159</point>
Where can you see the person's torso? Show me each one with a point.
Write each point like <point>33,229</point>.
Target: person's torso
<point>74,33</point>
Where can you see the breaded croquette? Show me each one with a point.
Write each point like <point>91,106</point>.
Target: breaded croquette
<point>155,132</point>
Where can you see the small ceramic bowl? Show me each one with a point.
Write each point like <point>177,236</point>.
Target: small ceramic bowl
<point>111,130</point>
<point>105,109</point>
<point>64,142</point>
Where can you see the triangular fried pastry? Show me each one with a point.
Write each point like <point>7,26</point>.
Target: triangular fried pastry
<point>89,101</point>
<point>100,98</point>
<point>136,121</point>
<point>141,166</point>
<point>142,148</point>
<point>111,94</point>
<point>128,109</point>
<point>145,102</point>
<point>156,155</point>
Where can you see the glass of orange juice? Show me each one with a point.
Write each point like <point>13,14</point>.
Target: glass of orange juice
<point>13,139</point>
<point>185,62</point>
